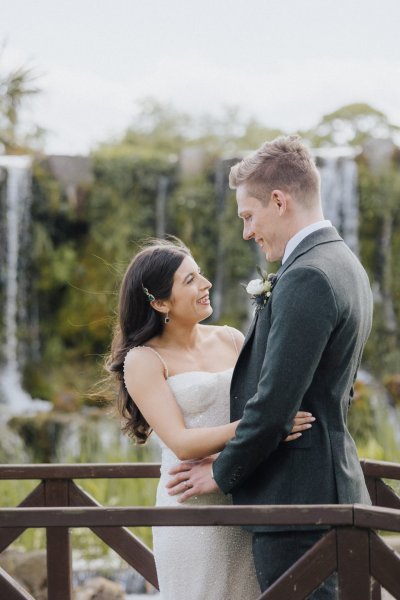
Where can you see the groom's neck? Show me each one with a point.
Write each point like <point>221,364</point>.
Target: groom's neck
<point>302,219</point>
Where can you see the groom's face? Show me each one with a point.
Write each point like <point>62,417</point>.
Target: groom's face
<point>261,222</point>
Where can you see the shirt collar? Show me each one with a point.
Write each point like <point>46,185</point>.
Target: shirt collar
<point>300,235</point>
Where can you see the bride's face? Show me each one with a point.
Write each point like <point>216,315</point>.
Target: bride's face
<point>190,293</point>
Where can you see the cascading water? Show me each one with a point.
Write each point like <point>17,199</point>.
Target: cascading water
<point>17,209</point>
<point>338,171</point>
<point>339,178</point>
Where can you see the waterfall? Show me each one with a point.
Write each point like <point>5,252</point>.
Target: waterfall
<point>338,171</point>
<point>15,228</point>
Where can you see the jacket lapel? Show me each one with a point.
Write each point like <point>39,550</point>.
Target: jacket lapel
<point>321,236</point>
<point>251,328</point>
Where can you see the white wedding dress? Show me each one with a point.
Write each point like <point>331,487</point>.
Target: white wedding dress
<point>202,563</point>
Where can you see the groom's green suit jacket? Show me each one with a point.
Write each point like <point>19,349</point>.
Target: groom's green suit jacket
<point>302,352</point>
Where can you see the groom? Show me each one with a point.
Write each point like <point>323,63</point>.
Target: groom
<point>302,352</point>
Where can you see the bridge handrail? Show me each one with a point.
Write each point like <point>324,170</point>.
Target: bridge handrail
<point>371,468</point>
<point>80,471</point>
<point>323,515</point>
<point>349,545</point>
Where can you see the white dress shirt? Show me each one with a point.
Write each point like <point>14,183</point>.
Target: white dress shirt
<point>300,235</point>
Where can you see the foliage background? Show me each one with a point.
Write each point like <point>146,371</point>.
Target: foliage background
<point>81,241</point>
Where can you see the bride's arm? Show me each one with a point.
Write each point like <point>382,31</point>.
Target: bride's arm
<point>146,385</point>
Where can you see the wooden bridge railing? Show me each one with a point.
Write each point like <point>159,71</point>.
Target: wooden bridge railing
<point>351,547</point>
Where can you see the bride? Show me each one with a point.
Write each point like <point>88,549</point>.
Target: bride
<point>174,376</point>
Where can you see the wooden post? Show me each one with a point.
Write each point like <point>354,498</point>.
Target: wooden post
<point>59,555</point>
<point>353,564</point>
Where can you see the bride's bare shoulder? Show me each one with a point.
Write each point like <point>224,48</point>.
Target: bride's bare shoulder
<point>142,361</point>
<point>224,333</point>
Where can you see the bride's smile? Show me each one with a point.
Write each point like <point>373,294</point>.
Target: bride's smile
<point>204,300</point>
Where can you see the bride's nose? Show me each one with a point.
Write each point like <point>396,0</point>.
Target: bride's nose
<point>206,284</point>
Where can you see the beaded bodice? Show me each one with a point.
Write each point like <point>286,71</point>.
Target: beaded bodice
<point>202,397</point>
<point>204,400</point>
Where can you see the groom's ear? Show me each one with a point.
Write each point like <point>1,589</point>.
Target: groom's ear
<point>279,200</point>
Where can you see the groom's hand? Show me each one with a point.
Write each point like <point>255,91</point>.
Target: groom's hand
<point>192,478</point>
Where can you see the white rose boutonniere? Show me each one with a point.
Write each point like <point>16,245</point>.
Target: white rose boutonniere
<point>260,290</point>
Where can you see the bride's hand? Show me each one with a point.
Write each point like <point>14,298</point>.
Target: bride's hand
<point>302,422</point>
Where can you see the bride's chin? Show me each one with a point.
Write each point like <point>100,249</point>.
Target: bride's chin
<point>206,314</point>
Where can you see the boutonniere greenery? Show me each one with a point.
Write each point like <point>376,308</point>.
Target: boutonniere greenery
<point>260,290</point>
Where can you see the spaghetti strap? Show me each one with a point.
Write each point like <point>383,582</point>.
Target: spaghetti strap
<point>162,360</point>
<point>233,338</point>
<point>164,364</point>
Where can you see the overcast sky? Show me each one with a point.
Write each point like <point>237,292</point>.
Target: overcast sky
<point>285,62</point>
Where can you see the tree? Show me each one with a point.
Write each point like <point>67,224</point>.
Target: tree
<point>157,129</point>
<point>379,188</point>
<point>16,86</point>
<point>353,125</point>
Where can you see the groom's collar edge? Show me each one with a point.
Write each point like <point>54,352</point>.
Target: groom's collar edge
<point>317,238</point>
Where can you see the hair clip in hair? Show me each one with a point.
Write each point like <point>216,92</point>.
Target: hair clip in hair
<point>149,296</point>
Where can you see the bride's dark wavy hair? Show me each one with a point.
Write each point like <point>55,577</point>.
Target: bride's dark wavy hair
<point>154,268</point>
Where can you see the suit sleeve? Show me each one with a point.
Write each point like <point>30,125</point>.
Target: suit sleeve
<point>303,315</point>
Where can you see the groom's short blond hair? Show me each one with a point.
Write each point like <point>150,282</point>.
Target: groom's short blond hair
<point>285,164</point>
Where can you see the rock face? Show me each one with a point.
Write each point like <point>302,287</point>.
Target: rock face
<point>99,589</point>
<point>72,173</point>
<point>28,569</point>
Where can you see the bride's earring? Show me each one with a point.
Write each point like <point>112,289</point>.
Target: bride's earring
<point>167,319</point>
